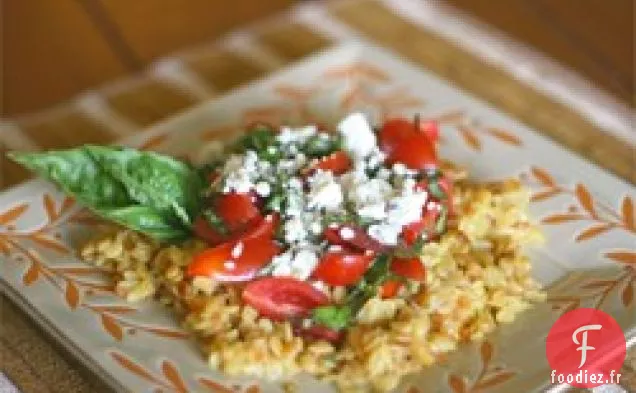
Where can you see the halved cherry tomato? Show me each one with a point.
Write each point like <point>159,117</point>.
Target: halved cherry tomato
<point>320,332</point>
<point>447,187</point>
<point>280,298</point>
<point>416,152</point>
<point>237,210</point>
<point>430,128</point>
<point>360,241</point>
<point>390,288</point>
<point>219,264</point>
<point>411,268</point>
<point>342,267</point>
<point>393,132</point>
<point>337,162</point>
<point>412,231</point>
<point>259,228</point>
<point>206,232</point>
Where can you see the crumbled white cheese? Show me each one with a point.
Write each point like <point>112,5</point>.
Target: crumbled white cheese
<point>289,135</point>
<point>324,192</point>
<point>316,228</point>
<point>240,172</point>
<point>295,263</point>
<point>359,139</point>
<point>346,233</point>
<point>369,196</point>
<point>263,188</point>
<point>294,230</point>
<point>385,233</point>
<point>237,250</point>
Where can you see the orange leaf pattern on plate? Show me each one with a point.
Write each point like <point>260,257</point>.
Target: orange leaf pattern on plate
<point>153,142</point>
<point>49,207</point>
<point>135,368</point>
<point>504,136</point>
<point>112,327</point>
<point>542,195</point>
<point>456,383</point>
<point>622,256</point>
<point>165,332</point>
<point>585,199</point>
<point>627,211</point>
<point>543,177</point>
<point>486,353</point>
<point>13,214</point>
<point>561,218</point>
<point>172,374</point>
<point>493,380</point>
<point>593,231</point>
<point>47,242</point>
<point>214,387</point>
<point>72,294</point>
<point>31,275</point>
<point>470,137</point>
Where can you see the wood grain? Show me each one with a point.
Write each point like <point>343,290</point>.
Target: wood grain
<point>292,41</point>
<point>594,37</point>
<point>65,129</point>
<point>552,119</point>
<point>50,50</point>
<point>149,101</point>
<point>155,28</point>
<point>223,69</point>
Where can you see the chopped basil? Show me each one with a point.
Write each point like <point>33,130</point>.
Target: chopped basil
<point>339,317</point>
<point>440,225</point>
<point>436,191</point>
<point>215,221</point>
<point>333,317</point>
<point>322,144</point>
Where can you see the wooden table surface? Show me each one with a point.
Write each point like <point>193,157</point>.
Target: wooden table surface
<point>38,366</point>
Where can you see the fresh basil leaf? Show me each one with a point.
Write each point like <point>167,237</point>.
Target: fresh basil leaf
<point>139,190</point>
<point>145,219</point>
<point>77,174</point>
<point>333,317</point>
<point>161,182</point>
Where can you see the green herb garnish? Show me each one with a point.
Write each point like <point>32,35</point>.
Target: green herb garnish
<point>144,191</point>
<point>339,317</point>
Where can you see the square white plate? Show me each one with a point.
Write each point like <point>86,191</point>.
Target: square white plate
<point>587,215</point>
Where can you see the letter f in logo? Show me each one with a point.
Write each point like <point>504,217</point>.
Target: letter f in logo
<point>584,347</point>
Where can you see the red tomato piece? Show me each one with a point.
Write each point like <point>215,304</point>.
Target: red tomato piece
<point>342,267</point>
<point>411,268</point>
<point>219,263</point>
<point>416,152</point>
<point>204,231</point>
<point>390,288</point>
<point>320,332</point>
<point>446,186</point>
<point>412,231</point>
<point>393,132</point>
<point>337,162</point>
<point>360,241</point>
<point>236,210</point>
<point>280,298</point>
<point>259,228</point>
<point>430,128</point>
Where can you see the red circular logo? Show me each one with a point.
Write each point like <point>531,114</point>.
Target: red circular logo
<point>585,348</point>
